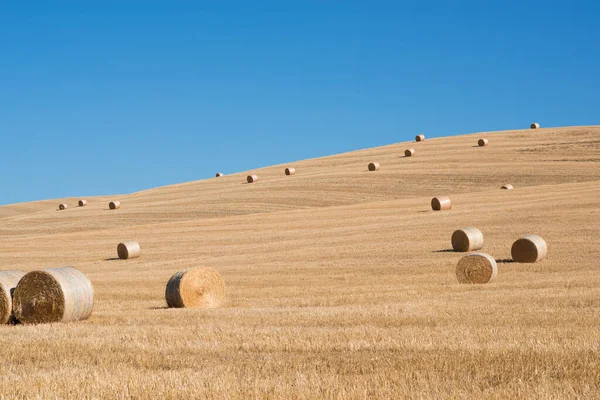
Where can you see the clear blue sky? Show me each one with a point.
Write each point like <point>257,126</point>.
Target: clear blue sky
<point>111,97</point>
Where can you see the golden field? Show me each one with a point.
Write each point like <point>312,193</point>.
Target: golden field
<point>340,281</point>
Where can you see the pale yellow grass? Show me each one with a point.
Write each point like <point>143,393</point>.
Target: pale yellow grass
<point>339,285</point>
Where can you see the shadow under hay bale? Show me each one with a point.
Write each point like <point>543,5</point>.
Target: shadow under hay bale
<point>195,288</point>
<point>8,283</point>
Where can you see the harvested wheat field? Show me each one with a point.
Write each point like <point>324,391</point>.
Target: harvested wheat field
<point>340,283</point>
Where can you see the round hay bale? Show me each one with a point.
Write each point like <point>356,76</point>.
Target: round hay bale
<point>219,174</point>
<point>8,283</point>
<point>409,152</point>
<point>252,178</point>
<point>467,239</point>
<point>82,203</point>
<point>63,206</point>
<point>441,203</point>
<point>53,295</point>
<point>129,249</point>
<point>290,171</point>
<point>476,268</point>
<point>374,166</point>
<point>535,125</point>
<point>529,249</point>
<point>420,138</point>
<point>482,142</point>
<point>195,288</point>
<point>113,205</point>
<point>508,186</point>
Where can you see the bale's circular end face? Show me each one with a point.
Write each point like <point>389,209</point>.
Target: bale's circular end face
<point>409,152</point>
<point>195,288</point>
<point>113,205</point>
<point>467,239</point>
<point>508,186</point>
<point>420,138</point>
<point>129,249</point>
<point>82,203</point>
<point>219,174</point>
<point>441,203</point>
<point>535,125</point>
<point>290,171</point>
<point>252,178</point>
<point>8,283</point>
<point>374,166</point>
<point>476,268</point>
<point>62,206</point>
<point>482,142</point>
<point>529,249</point>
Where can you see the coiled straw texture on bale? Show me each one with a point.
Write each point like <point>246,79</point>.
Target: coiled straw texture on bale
<point>535,125</point>
<point>252,178</point>
<point>482,142</point>
<point>62,206</point>
<point>8,283</point>
<point>420,138</point>
<point>374,166</point>
<point>218,175</point>
<point>129,249</point>
<point>441,203</point>
<point>195,288</point>
<point>476,268</point>
<point>529,249</point>
<point>290,171</point>
<point>508,186</point>
<point>53,295</point>
<point>82,203</point>
<point>467,239</point>
<point>113,205</point>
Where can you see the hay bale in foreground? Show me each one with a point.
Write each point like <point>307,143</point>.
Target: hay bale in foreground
<point>290,171</point>
<point>252,178</point>
<point>420,138</point>
<point>53,295</point>
<point>508,186</point>
<point>467,239</point>
<point>529,249</point>
<point>82,203</point>
<point>63,206</point>
<point>195,288</point>
<point>218,175</point>
<point>374,166</point>
<point>441,203</point>
<point>409,152</point>
<point>535,125</point>
<point>129,249</point>
<point>113,205</point>
<point>482,142</point>
<point>476,268</point>
<point>8,283</point>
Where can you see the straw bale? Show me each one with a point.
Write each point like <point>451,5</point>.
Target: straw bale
<point>195,288</point>
<point>476,268</point>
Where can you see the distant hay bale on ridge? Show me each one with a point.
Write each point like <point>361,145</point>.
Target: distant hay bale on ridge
<point>467,239</point>
<point>409,152</point>
<point>508,186</point>
<point>218,175</point>
<point>476,268</point>
<point>53,295</point>
<point>441,203</point>
<point>113,205</point>
<point>82,203</point>
<point>195,288</point>
<point>63,206</point>
<point>482,142</point>
<point>374,166</point>
<point>535,125</point>
<point>129,249</point>
<point>420,138</point>
<point>290,171</point>
<point>8,283</point>
<point>252,178</point>
<point>529,249</point>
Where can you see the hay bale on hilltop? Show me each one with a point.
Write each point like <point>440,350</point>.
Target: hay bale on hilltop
<point>82,203</point>
<point>195,288</point>
<point>129,249</point>
<point>508,186</point>
<point>476,268</point>
<point>290,171</point>
<point>535,125</point>
<point>467,239</point>
<point>409,152</point>
<point>420,138</point>
<point>113,205</point>
<point>8,283</point>
<point>374,166</point>
<point>252,178</point>
<point>53,295</point>
<point>218,175</point>
<point>482,142</point>
<point>441,203</point>
<point>63,206</point>
<point>529,249</point>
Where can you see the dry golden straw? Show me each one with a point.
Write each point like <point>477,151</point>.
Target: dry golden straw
<point>467,239</point>
<point>482,142</point>
<point>374,166</point>
<point>62,206</point>
<point>441,203</point>
<point>290,171</point>
<point>420,138</point>
<point>82,203</point>
<point>529,249</point>
<point>476,268</point>
<point>53,295</point>
<point>409,152</point>
<point>8,282</point>
<point>195,288</point>
<point>252,178</point>
<point>113,205</point>
<point>535,125</point>
<point>219,174</point>
<point>508,186</point>
<point>129,249</point>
